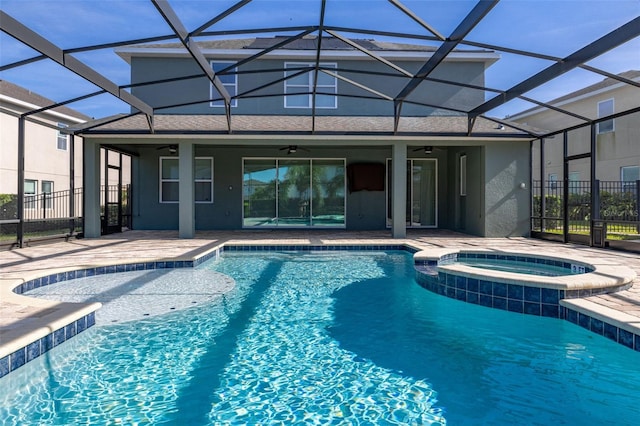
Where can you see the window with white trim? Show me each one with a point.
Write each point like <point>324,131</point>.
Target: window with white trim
<point>605,108</point>
<point>63,138</point>
<point>203,174</point>
<point>229,81</point>
<point>303,84</point>
<point>170,179</point>
<point>46,190</point>
<point>30,193</point>
<point>629,175</point>
<point>574,182</point>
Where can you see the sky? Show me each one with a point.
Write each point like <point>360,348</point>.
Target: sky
<point>551,27</point>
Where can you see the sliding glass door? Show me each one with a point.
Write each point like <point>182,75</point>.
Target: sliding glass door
<point>422,200</point>
<point>293,192</point>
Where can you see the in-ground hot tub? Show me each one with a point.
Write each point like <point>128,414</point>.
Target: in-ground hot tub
<point>516,281</point>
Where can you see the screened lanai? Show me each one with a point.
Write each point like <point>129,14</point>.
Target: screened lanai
<point>532,56</point>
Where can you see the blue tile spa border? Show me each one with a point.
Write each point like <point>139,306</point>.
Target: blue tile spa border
<point>33,350</point>
<point>528,300</point>
<point>570,266</point>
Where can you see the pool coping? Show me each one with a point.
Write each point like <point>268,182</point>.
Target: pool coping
<point>59,321</point>
<point>604,275</point>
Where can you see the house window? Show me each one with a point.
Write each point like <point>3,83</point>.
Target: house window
<point>62,137</point>
<point>170,180</point>
<point>629,175</point>
<point>304,83</point>
<point>574,182</point>
<point>553,181</point>
<point>605,108</point>
<point>30,192</point>
<point>204,179</point>
<point>47,190</point>
<point>229,81</point>
<point>463,175</point>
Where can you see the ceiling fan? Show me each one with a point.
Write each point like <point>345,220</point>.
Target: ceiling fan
<point>173,149</point>
<point>292,149</point>
<point>426,149</point>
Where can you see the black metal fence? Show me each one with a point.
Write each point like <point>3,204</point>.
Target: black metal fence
<point>616,215</point>
<point>55,214</point>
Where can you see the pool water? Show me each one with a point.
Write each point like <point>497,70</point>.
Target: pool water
<point>331,337</point>
<point>517,267</point>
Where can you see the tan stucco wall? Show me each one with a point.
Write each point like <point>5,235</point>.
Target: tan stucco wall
<point>613,150</point>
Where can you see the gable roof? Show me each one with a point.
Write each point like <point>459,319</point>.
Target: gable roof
<point>607,82</point>
<point>306,43</point>
<point>19,93</point>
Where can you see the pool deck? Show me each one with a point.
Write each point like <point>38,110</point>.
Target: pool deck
<point>22,318</point>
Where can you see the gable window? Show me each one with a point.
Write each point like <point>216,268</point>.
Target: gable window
<point>605,108</point>
<point>62,137</point>
<point>629,175</point>
<point>229,81</point>
<point>304,83</point>
<point>30,192</point>
<point>170,179</point>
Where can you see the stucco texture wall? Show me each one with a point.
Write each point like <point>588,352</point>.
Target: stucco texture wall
<point>507,204</point>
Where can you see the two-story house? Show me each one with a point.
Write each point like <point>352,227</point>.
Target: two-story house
<point>617,140</point>
<point>48,161</point>
<point>314,136</point>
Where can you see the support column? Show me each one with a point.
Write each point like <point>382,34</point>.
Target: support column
<point>91,188</point>
<point>186,205</point>
<point>20,211</point>
<point>399,191</point>
<point>72,184</point>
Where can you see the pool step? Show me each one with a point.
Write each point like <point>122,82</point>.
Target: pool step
<point>592,313</point>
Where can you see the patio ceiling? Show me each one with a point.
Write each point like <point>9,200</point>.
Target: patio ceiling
<point>522,78</point>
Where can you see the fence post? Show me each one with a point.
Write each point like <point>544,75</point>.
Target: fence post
<point>596,226</point>
<point>543,194</point>
<point>638,206</point>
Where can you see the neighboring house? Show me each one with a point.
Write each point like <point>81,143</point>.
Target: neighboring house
<point>47,155</point>
<point>313,147</point>
<point>617,140</point>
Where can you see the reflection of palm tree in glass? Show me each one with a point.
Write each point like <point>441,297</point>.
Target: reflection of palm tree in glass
<point>328,200</point>
<point>307,193</point>
<point>294,192</point>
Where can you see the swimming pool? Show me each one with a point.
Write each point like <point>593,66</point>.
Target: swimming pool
<point>321,337</point>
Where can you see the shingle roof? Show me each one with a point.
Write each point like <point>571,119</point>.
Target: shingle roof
<point>629,75</point>
<point>305,43</point>
<point>20,93</point>
<point>266,124</point>
<point>607,82</point>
